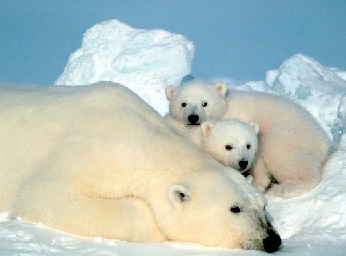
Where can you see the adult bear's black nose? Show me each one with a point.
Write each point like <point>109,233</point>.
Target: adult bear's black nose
<point>193,119</point>
<point>272,242</point>
<point>243,164</point>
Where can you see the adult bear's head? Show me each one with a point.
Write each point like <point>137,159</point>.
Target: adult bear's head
<point>218,209</point>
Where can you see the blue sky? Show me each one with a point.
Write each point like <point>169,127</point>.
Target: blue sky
<point>235,39</point>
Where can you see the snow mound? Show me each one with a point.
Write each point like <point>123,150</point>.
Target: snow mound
<point>146,61</point>
<point>302,76</point>
<point>319,89</point>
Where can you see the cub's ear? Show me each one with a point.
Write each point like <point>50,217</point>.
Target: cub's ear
<point>170,91</point>
<point>221,88</point>
<point>179,194</point>
<point>207,128</point>
<point>254,126</point>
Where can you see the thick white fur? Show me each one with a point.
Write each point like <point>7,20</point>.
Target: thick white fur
<point>292,145</point>
<point>98,161</point>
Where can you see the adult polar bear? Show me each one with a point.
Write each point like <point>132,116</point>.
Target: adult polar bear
<point>98,161</point>
<point>293,146</point>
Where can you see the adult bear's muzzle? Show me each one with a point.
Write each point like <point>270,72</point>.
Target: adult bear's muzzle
<point>270,242</point>
<point>273,241</point>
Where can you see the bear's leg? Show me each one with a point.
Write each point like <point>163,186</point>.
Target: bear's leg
<point>259,172</point>
<point>295,170</point>
<point>292,188</point>
<point>128,219</point>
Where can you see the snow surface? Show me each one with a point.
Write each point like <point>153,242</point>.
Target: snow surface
<point>147,61</point>
<point>137,58</point>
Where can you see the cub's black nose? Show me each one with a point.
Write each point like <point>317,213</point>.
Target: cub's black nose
<point>272,242</point>
<point>193,119</point>
<point>243,164</point>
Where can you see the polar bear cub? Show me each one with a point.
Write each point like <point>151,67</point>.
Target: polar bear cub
<point>192,104</point>
<point>196,102</point>
<point>232,142</point>
<point>294,147</point>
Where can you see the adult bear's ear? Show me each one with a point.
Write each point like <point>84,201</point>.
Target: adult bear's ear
<point>221,88</point>
<point>179,194</point>
<point>254,126</point>
<point>170,91</point>
<point>207,127</point>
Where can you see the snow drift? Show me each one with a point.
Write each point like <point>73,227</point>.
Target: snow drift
<point>147,61</point>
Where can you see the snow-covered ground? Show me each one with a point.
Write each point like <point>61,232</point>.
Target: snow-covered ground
<point>147,61</point>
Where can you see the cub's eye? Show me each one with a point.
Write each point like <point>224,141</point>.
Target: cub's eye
<point>183,104</point>
<point>248,146</point>
<point>235,209</point>
<point>204,104</point>
<point>228,147</point>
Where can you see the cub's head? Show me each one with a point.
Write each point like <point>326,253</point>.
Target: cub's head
<point>195,102</point>
<point>232,142</point>
<point>213,209</point>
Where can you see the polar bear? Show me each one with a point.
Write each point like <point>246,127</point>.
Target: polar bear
<point>196,102</point>
<point>98,161</point>
<point>193,103</point>
<point>232,142</point>
<point>293,146</point>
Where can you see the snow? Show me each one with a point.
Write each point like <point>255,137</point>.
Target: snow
<point>147,61</point>
<point>317,88</point>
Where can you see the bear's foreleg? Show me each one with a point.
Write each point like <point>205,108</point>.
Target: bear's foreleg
<point>295,169</point>
<point>260,174</point>
<point>127,219</point>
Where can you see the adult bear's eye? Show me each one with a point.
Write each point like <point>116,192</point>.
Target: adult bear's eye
<point>248,146</point>
<point>235,209</point>
<point>228,147</point>
<point>183,104</point>
<point>204,104</point>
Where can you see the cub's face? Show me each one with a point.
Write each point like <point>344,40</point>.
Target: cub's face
<point>212,211</point>
<point>194,103</point>
<point>232,142</point>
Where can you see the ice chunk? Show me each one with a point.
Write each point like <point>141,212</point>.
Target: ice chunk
<point>300,74</point>
<point>146,61</point>
<point>319,89</point>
